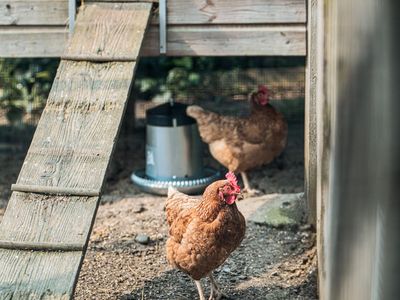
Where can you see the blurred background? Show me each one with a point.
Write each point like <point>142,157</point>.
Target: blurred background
<point>217,83</point>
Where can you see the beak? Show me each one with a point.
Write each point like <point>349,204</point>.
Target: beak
<point>239,196</point>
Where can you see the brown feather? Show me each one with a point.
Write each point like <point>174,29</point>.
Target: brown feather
<point>203,233</point>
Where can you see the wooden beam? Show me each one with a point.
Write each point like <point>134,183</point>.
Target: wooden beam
<point>229,40</point>
<point>55,12</point>
<point>223,40</point>
<point>33,12</point>
<point>33,41</point>
<point>312,87</point>
<point>235,11</point>
<point>316,142</point>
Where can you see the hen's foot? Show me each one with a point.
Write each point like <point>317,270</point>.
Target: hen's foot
<point>216,293</point>
<point>219,296</point>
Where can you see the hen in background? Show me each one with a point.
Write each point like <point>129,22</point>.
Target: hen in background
<point>241,144</point>
<point>203,233</point>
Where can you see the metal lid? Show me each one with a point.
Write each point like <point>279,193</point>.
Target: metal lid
<point>169,115</point>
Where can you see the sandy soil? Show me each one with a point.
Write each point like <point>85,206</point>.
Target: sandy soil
<point>271,263</point>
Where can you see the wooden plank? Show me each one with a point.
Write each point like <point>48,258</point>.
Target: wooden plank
<point>19,41</point>
<point>49,219</point>
<point>55,12</point>
<point>33,12</point>
<point>114,31</point>
<point>234,11</point>
<point>83,113</point>
<point>37,275</point>
<point>70,151</point>
<point>317,128</point>
<point>224,40</point>
<point>313,87</point>
<point>256,40</point>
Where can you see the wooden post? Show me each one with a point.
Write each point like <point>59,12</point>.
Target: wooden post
<point>310,122</point>
<point>359,148</point>
<point>317,128</point>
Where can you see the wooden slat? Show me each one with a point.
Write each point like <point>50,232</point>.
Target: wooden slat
<point>41,218</point>
<point>19,41</point>
<point>37,275</point>
<point>228,41</point>
<point>83,111</point>
<point>234,11</point>
<point>55,12</point>
<point>225,40</point>
<point>33,12</point>
<point>111,27</point>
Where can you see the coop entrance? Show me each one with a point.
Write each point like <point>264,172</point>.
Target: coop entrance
<point>220,85</point>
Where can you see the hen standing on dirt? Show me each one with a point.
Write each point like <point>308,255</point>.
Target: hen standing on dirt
<point>203,233</point>
<point>241,144</point>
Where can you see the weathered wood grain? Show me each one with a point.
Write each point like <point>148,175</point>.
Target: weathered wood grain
<point>233,11</point>
<point>109,31</point>
<point>313,93</point>
<point>260,40</point>
<point>46,12</point>
<point>33,12</point>
<point>82,114</point>
<point>32,41</point>
<point>37,275</point>
<point>49,219</point>
<point>70,151</point>
<point>51,190</point>
<point>229,40</point>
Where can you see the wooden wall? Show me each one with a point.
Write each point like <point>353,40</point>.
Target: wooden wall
<point>38,28</point>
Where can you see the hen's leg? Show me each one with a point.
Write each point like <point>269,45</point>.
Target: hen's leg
<point>200,289</point>
<point>216,293</point>
<point>247,189</point>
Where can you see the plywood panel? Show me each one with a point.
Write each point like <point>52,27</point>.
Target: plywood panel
<point>107,31</point>
<point>33,12</point>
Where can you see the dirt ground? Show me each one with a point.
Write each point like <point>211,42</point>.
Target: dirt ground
<point>271,263</point>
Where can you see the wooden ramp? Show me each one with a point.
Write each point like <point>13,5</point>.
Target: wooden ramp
<point>46,227</point>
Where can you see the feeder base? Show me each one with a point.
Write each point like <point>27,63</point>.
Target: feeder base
<point>160,187</point>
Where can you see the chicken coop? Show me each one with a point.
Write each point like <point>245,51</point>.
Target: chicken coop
<point>45,230</point>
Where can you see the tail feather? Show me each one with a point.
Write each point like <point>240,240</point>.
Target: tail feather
<point>171,191</point>
<point>194,111</point>
<point>209,123</point>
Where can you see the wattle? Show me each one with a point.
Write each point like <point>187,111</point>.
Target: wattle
<point>230,199</point>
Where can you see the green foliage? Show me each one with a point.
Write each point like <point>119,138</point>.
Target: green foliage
<point>211,77</point>
<point>24,85</point>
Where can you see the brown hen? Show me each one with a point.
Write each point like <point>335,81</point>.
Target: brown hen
<point>204,232</point>
<point>241,144</point>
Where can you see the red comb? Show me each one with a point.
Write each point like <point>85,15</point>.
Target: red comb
<point>231,178</point>
<point>262,88</point>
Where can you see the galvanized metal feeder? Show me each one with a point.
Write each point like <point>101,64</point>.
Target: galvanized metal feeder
<point>174,153</point>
